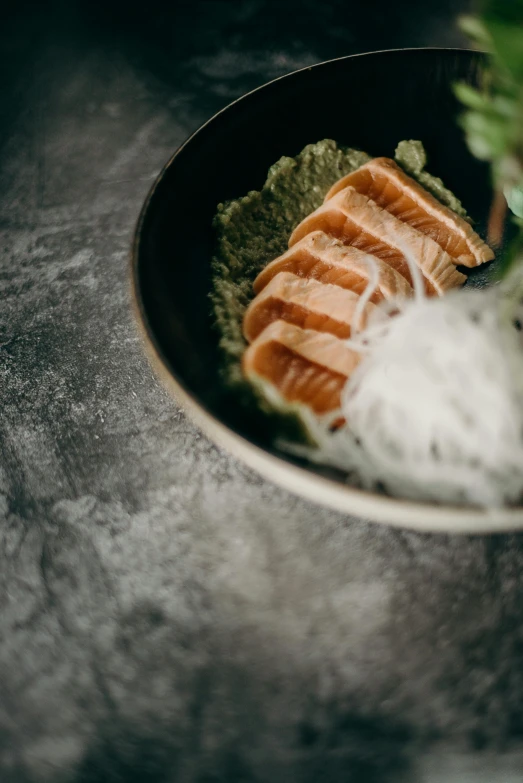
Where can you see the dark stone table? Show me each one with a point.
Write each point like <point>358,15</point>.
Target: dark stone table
<point>166,615</point>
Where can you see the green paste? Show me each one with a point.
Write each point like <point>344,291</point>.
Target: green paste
<point>253,230</point>
<point>411,156</point>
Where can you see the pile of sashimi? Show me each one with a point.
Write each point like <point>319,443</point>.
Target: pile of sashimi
<point>339,299</point>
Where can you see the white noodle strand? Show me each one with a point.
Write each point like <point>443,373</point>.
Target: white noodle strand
<point>374,278</point>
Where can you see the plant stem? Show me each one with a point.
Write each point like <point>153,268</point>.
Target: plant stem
<point>496,220</point>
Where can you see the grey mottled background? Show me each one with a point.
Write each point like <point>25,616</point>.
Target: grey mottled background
<point>166,615</point>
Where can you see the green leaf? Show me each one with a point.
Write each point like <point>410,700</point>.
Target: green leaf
<point>506,106</point>
<point>486,133</point>
<point>469,96</point>
<point>476,30</point>
<point>514,198</point>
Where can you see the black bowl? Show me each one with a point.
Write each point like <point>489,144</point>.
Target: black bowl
<point>369,101</point>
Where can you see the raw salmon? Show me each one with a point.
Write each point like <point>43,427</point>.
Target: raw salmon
<point>360,222</point>
<point>320,257</point>
<point>297,365</point>
<point>383,181</point>
<point>306,303</point>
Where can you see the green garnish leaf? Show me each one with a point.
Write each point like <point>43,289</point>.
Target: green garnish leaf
<point>475,29</point>
<point>514,198</point>
<point>493,120</point>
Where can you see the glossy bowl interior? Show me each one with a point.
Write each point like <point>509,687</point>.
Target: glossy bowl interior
<point>369,101</point>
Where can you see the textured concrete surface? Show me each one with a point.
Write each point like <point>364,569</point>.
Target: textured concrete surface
<point>166,615</point>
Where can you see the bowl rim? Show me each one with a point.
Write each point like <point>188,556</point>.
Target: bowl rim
<point>358,503</point>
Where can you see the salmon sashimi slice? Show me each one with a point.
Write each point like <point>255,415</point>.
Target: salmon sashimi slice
<point>294,365</point>
<point>320,257</point>
<point>360,222</point>
<point>306,303</point>
<point>383,181</point>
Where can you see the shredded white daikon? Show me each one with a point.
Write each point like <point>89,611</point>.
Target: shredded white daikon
<point>434,411</point>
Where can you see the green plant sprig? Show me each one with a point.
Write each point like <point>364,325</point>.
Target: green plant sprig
<point>493,120</point>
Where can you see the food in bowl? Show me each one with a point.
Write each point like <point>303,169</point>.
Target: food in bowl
<point>325,270</point>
